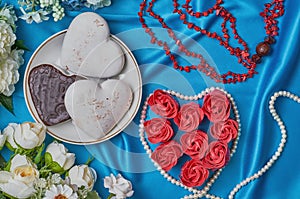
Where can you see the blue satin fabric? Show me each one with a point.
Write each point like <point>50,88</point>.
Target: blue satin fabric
<point>260,134</point>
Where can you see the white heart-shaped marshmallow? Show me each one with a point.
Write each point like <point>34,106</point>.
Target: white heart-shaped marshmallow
<point>105,60</point>
<point>96,108</point>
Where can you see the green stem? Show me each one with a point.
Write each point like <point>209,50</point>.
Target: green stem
<point>33,6</point>
<point>110,196</point>
<point>88,162</point>
<point>44,171</point>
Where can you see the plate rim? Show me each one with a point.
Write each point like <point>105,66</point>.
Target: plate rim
<point>36,117</point>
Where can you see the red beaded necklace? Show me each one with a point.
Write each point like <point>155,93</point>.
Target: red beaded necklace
<point>272,11</point>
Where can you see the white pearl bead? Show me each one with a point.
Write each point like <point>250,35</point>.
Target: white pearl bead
<point>177,94</point>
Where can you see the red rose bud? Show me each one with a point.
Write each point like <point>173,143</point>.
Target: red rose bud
<point>193,173</point>
<point>158,130</point>
<point>225,131</point>
<point>216,106</point>
<point>194,144</point>
<point>189,117</point>
<point>167,154</point>
<point>216,156</point>
<point>163,104</point>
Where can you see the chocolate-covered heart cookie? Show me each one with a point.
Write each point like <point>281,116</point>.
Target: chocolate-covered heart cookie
<point>48,86</point>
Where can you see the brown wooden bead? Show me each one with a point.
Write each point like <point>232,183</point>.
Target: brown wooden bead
<point>270,39</point>
<point>256,58</point>
<point>263,48</point>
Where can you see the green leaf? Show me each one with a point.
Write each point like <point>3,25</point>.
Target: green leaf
<point>8,165</point>
<point>38,157</point>
<point>8,145</point>
<point>92,195</point>
<point>19,44</point>
<point>2,196</point>
<point>48,158</point>
<point>7,102</point>
<point>54,166</point>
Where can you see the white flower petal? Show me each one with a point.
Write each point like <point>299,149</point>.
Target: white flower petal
<point>18,160</point>
<point>2,140</point>
<point>64,190</point>
<point>17,189</point>
<point>5,176</point>
<point>36,17</point>
<point>9,133</point>
<point>69,161</point>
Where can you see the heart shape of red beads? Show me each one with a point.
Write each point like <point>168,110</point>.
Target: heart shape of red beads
<point>201,156</point>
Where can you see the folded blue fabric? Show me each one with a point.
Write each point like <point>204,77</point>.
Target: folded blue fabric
<point>260,134</point>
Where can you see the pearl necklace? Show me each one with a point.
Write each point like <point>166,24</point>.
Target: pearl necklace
<point>203,192</point>
<point>272,11</point>
<point>275,156</point>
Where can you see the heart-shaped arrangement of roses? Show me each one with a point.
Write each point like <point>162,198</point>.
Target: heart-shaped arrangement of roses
<point>179,140</point>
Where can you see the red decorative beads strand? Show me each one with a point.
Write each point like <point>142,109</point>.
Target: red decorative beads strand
<point>272,11</point>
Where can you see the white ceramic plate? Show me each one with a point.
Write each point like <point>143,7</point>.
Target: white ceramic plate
<point>49,52</point>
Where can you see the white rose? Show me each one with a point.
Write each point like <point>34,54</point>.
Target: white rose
<point>119,186</point>
<point>9,75</point>
<point>27,135</point>
<point>21,178</point>
<point>82,175</point>
<point>59,154</point>
<point>7,39</point>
